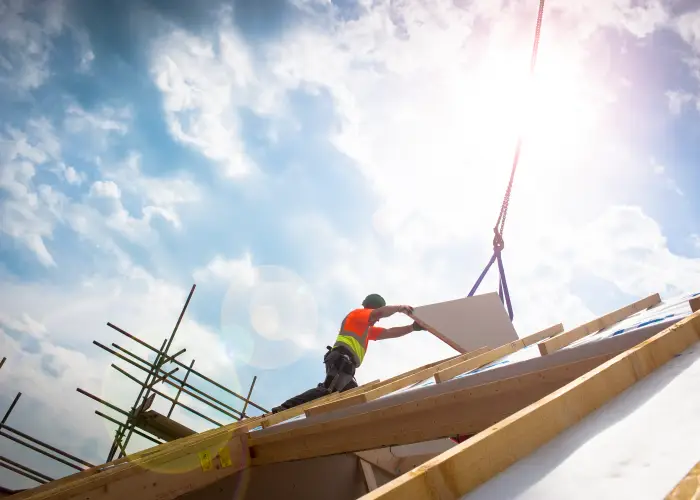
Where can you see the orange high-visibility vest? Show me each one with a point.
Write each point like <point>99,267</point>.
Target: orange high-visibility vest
<point>356,332</point>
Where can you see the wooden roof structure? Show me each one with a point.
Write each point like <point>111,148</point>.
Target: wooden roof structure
<point>504,403</point>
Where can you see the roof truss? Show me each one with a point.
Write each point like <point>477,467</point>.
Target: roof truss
<point>510,411</point>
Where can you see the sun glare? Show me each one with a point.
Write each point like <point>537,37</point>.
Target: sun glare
<point>556,111</point>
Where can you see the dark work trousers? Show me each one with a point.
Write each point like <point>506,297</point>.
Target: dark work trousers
<point>334,366</point>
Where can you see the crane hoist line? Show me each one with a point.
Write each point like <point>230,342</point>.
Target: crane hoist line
<point>498,243</point>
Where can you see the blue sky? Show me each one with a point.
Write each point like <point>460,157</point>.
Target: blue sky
<point>290,157</point>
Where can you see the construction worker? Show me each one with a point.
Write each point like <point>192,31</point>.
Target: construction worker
<point>348,352</point>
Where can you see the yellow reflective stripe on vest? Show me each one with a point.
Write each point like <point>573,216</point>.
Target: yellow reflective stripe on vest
<point>357,348</point>
<point>356,342</point>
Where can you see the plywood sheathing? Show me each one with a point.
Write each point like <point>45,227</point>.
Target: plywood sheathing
<point>469,323</point>
<point>566,338</point>
<point>494,354</point>
<point>392,385</point>
<point>461,469</point>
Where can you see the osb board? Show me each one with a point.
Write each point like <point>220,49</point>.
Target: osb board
<point>469,323</point>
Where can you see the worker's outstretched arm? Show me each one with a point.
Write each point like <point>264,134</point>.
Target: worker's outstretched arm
<point>399,331</point>
<point>386,311</point>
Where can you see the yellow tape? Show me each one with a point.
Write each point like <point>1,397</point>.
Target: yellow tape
<point>205,460</point>
<point>225,457</point>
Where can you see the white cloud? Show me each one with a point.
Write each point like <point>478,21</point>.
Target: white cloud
<point>677,101</point>
<point>670,183</point>
<point>105,119</point>
<point>27,34</point>
<point>32,209</point>
<point>239,270</point>
<point>161,196</point>
<point>688,27</point>
<point>630,250</point>
<point>695,238</point>
<point>23,324</point>
<point>25,216</point>
<point>106,189</point>
<point>201,81</point>
<point>72,175</point>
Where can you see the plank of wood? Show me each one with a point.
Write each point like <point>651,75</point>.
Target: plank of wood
<point>409,463</point>
<point>65,482</point>
<point>566,338</point>
<point>369,475</point>
<point>689,487</point>
<point>282,416</point>
<point>464,467</point>
<point>695,304</point>
<point>435,417</point>
<point>543,334</point>
<point>378,384</point>
<point>495,354</point>
<point>468,323</point>
<point>161,426</point>
<point>390,386</point>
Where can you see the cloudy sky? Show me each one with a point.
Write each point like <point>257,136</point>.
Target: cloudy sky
<point>290,157</point>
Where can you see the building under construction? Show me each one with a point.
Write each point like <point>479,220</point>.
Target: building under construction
<point>605,409</point>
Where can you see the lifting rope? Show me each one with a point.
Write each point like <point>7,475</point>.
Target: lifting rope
<point>498,243</point>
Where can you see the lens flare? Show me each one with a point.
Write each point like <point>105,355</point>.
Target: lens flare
<point>270,322</point>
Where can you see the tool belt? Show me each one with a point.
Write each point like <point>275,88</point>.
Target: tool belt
<point>342,357</point>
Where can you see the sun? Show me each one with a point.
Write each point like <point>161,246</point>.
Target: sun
<point>557,111</point>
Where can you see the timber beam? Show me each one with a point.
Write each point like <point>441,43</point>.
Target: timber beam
<point>566,338</point>
<point>392,385</point>
<point>465,411</point>
<point>164,472</point>
<point>451,372</point>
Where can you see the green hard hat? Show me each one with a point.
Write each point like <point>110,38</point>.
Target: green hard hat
<point>373,301</point>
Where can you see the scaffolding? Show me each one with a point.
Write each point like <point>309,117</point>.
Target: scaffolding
<point>139,419</point>
<point>32,443</point>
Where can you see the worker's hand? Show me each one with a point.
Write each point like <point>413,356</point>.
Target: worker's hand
<point>417,327</point>
<point>405,309</point>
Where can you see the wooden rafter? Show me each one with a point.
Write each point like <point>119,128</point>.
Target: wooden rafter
<point>392,385</point>
<point>464,467</point>
<point>520,404</point>
<point>164,472</point>
<point>420,420</point>
<point>689,487</point>
<point>276,418</point>
<point>494,354</point>
<point>566,338</point>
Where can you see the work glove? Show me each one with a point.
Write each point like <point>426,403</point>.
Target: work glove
<point>417,327</point>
